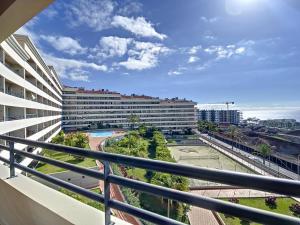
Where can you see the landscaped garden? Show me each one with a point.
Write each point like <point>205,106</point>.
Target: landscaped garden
<point>149,143</point>
<point>77,139</point>
<point>284,205</point>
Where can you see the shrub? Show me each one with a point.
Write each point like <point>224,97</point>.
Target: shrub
<point>59,138</point>
<point>234,200</point>
<point>271,201</point>
<point>295,208</point>
<point>79,140</point>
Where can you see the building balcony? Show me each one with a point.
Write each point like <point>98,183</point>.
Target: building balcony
<point>29,116</point>
<point>10,118</point>
<point>13,92</point>
<point>45,204</point>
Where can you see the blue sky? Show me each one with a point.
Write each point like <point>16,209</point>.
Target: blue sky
<point>245,51</point>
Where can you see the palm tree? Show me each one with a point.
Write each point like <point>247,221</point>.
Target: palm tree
<point>265,151</point>
<point>133,120</point>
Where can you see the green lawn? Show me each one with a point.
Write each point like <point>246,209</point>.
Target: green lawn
<point>137,173</point>
<point>154,204</point>
<point>47,168</point>
<point>83,199</point>
<point>282,207</point>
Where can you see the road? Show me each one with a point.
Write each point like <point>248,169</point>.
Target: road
<point>269,164</point>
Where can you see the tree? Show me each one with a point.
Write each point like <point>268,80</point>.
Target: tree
<point>206,126</point>
<point>59,138</point>
<point>133,120</point>
<point>79,140</point>
<point>100,125</point>
<point>69,140</point>
<point>142,130</point>
<point>188,131</point>
<point>265,150</point>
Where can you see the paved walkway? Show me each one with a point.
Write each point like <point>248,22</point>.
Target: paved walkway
<point>228,193</point>
<point>115,192</point>
<point>199,216</point>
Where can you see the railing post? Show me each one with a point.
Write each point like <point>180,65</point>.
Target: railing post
<point>106,193</point>
<point>11,158</point>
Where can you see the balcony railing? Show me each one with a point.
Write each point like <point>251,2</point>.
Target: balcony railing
<point>270,184</point>
<point>14,117</point>
<point>14,93</point>
<point>31,115</point>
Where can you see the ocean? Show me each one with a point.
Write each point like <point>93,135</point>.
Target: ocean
<point>273,114</point>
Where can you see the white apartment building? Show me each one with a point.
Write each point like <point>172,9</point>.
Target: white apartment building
<point>30,94</point>
<point>84,109</point>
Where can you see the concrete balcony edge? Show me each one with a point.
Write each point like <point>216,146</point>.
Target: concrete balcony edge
<point>25,201</point>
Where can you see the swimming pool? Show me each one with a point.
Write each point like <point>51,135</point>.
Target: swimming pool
<point>103,133</point>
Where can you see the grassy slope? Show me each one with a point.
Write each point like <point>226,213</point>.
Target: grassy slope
<point>137,173</point>
<point>282,207</point>
<point>47,168</point>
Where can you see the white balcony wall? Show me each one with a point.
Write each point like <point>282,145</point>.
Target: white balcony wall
<point>27,67</point>
<point>9,126</point>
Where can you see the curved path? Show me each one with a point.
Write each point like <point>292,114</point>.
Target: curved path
<point>115,192</point>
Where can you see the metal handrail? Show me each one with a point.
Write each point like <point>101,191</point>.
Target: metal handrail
<point>280,186</point>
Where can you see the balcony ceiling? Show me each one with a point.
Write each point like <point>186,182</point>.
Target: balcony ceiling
<point>15,13</point>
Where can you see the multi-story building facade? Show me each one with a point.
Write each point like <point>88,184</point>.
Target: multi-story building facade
<point>83,109</point>
<point>30,94</point>
<point>32,99</point>
<point>220,116</point>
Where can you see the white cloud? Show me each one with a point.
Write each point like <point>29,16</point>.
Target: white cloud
<point>130,7</point>
<point>240,50</point>
<point>193,50</point>
<point>65,44</point>
<point>139,26</point>
<point>71,68</point>
<point>50,12</point>
<point>177,71</point>
<point>93,13</point>
<point>210,37</point>
<point>104,14</point>
<point>27,30</point>
<point>174,73</point>
<point>78,75</point>
<point>193,59</point>
<point>204,66</point>
<point>209,20</point>
<point>112,46</point>
<point>225,51</point>
<point>144,55</point>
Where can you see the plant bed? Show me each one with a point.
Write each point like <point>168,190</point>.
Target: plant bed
<point>64,157</point>
<point>77,139</point>
<point>282,207</point>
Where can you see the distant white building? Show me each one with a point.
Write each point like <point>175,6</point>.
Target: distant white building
<point>220,116</point>
<point>30,94</point>
<point>83,109</point>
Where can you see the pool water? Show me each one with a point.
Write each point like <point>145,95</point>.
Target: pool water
<point>106,133</point>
